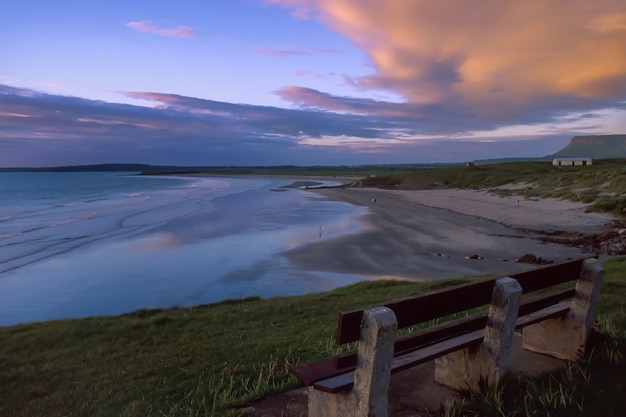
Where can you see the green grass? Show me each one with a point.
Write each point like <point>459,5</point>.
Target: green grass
<point>603,183</point>
<point>175,362</point>
<point>594,386</point>
<point>207,359</point>
<point>357,171</point>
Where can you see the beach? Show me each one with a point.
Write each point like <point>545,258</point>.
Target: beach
<point>434,234</point>
<point>134,242</point>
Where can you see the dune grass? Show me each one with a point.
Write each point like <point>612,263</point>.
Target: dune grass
<point>205,360</point>
<point>603,183</point>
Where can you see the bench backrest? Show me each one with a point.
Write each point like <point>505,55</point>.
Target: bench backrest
<point>410,311</point>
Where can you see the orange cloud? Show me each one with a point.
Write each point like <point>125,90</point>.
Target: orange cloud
<point>151,27</point>
<point>493,57</point>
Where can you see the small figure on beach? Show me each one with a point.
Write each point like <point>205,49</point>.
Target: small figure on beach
<point>373,200</point>
<point>320,230</point>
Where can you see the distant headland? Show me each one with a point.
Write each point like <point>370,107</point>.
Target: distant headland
<point>590,146</point>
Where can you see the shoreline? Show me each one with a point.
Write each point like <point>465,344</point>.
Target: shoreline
<point>433,234</point>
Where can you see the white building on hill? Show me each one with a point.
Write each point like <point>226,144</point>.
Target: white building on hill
<point>571,161</point>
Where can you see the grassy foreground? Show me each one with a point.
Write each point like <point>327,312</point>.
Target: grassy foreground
<point>202,361</point>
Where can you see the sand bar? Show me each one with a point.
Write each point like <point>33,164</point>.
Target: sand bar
<point>428,234</point>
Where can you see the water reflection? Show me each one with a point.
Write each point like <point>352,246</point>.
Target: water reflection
<point>211,248</point>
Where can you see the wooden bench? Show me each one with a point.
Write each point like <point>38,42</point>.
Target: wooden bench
<point>474,344</point>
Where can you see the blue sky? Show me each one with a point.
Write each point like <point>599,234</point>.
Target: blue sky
<point>307,82</point>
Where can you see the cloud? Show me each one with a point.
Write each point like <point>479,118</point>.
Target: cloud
<point>300,9</point>
<point>151,27</point>
<point>470,76</point>
<point>40,129</point>
<point>6,79</point>
<point>51,84</point>
<point>493,60</point>
<point>295,52</point>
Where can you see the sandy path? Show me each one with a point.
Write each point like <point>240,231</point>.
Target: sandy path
<point>424,235</point>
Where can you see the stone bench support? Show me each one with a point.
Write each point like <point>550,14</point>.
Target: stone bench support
<point>465,368</point>
<point>370,395</point>
<point>566,338</point>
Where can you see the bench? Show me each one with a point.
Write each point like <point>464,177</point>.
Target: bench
<point>470,342</point>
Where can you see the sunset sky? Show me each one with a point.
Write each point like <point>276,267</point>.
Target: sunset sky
<point>305,82</point>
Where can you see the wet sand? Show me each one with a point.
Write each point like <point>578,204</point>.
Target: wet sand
<point>429,234</point>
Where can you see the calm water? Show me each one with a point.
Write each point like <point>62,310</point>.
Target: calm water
<point>83,244</point>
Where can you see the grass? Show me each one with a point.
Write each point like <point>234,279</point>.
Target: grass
<point>176,362</point>
<point>205,360</point>
<point>594,386</point>
<point>603,183</point>
<point>357,171</point>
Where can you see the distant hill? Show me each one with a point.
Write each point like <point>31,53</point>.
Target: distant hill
<point>102,168</point>
<point>595,146</point>
<point>84,168</point>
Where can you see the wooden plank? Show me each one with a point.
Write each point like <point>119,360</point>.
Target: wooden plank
<point>336,384</point>
<point>424,337</point>
<point>345,382</point>
<point>438,349</point>
<point>556,310</point>
<point>418,309</point>
<point>414,310</point>
<point>536,303</point>
<point>314,371</point>
<point>548,276</point>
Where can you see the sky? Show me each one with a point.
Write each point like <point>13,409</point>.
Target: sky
<point>305,82</point>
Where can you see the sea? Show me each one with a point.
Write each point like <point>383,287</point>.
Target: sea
<point>80,244</point>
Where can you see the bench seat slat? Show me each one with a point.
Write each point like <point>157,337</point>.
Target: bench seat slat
<point>540,315</point>
<point>345,382</point>
<point>336,365</point>
<point>438,349</point>
<point>539,302</point>
<point>319,369</point>
<point>424,337</point>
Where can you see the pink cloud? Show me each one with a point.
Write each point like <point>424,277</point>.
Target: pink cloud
<point>153,28</point>
<point>493,59</point>
<point>295,52</point>
<point>51,84</point>
<point>5,79</point>
<point>7,114</point>
<point>116,122</point>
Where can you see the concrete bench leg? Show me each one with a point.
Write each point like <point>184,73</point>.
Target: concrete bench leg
<point>465,368</point>
<point>370,395</point>
<point>566,338</point>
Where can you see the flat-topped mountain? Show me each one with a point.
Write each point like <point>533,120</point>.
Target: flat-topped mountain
<point>595,146</point>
